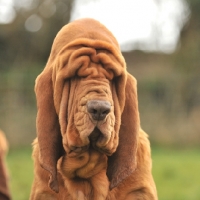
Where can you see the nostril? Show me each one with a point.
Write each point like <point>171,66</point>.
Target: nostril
<point>106,112</point>
<point>98,109</point>
<point>94,111</point>
<point>91,110</point>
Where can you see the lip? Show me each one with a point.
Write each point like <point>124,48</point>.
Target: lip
<point>73,151</point>
<point>95,134</point>
<point>98,138</point>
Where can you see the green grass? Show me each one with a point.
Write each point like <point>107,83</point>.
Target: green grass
<point>176,173</point>
<point>20,167</point>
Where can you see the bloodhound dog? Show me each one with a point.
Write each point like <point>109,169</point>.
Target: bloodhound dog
<point>4,188</point>
<point>89,142</point>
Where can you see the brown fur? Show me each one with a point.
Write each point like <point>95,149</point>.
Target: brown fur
<point>4,189</point>
<point>76,157</point>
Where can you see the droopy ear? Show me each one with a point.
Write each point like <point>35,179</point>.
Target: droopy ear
<point>48,129</point>
<point>123,162</point>
<point>4,189</point>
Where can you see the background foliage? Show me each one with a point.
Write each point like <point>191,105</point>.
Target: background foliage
<point>168,84</point>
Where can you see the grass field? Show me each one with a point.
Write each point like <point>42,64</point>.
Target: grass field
<point>176,173</point>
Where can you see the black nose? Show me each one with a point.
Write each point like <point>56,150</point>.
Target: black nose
<point>98,109</point>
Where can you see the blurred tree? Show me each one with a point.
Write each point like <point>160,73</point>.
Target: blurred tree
<point>168,84</point>
<point>29,37</point>
<point>187,60</point>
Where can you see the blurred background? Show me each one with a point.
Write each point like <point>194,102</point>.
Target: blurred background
<point>160,40</point>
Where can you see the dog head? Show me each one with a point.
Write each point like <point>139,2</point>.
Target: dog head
<point>86,97</point>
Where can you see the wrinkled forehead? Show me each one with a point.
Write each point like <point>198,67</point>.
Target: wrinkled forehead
<point>86,48</point>
<point>84,29</point>
<point>99,63</point>
<point>90,58</point>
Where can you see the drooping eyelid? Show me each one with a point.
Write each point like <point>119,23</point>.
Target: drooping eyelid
<point>99,86</point>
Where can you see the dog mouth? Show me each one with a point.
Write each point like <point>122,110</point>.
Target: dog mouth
<point>95,135</point>
<point>102,130</point>
<point>98,139</point>
<point>94,123</point>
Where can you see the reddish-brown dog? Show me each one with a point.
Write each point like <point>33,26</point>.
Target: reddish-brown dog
<point>89,143</point>
<point>4,189</point>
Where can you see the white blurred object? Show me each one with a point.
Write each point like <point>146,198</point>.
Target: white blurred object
<point>148,25</point>
<point>33,23</point>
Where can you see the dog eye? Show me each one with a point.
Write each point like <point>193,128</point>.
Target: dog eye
<point>97,91</point>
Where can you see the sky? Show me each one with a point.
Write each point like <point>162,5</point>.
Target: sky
<point>149,25</point>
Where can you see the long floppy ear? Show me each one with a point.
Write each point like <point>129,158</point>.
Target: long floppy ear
<point>4,189</point>
<point>123,162</point>
<point>48,129</point>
